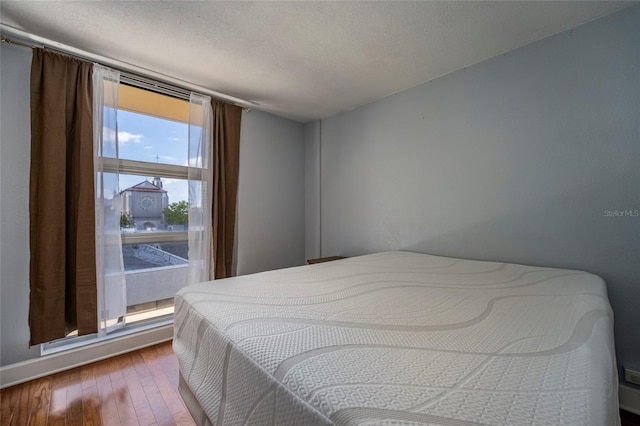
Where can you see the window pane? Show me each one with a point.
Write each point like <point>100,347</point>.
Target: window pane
<point>154,273</point>
<point>153,204</point>
<point>155,255</point>
<point>150,139</point>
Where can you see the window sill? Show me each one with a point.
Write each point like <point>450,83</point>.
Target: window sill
<point>82,341</point>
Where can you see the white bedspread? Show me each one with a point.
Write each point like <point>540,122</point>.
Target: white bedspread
<point>400,338</point>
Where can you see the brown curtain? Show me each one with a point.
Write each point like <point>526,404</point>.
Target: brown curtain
<point>61,199</point>
<point>226,155</point>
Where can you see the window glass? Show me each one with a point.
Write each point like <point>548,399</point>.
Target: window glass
<point>150,139</point>
<point>153,129</point>
<point>154,273</point>
<point>153,204</point>
<point>155,255</point>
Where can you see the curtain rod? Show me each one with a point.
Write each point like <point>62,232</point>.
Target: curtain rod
<point>30,41</point>
<point>17,43</point>
<point>125,76</point>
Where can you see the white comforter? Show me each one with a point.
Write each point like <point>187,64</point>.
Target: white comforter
<point>400,338</point>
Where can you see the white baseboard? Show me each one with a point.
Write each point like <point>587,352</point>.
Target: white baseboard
<point>21,372</point>
<point>629,399</point>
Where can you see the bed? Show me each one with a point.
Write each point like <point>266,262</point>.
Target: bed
<point>398,338</point>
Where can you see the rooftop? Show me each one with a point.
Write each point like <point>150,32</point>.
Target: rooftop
<point>145,186</point>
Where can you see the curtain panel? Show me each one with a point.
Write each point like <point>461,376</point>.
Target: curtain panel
<point>200,188</point>
<point>226,157</point>
<point>61,199</point>
<point>111,281</point>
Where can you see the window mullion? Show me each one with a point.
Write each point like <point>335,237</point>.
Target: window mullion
<point>141,168</point>
<point>154,237</point>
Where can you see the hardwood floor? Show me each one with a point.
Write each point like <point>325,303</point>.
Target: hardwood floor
<point>138,388</point>
<point>629,419</point>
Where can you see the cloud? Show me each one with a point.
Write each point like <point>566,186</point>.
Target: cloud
<point>177,188</point>
<point>124,137</point>
<point>148,147</point>
<point>193,162</point>
<point>108,136</point>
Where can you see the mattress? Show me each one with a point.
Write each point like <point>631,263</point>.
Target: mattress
<point>400,338</point>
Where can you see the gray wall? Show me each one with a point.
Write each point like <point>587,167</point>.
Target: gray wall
<point>312,192</point>
<point>514,159</point>
<point>270,199</point>
<point>15,64</point>
<point>271,202</point>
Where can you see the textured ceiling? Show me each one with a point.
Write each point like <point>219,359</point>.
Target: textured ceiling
<point>301,60</point>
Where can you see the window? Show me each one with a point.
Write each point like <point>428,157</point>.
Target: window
<point>163,212</point>
<point>153,195</point>
<point>152,130</point>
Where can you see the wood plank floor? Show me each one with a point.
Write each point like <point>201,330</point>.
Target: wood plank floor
<point>629,419</point>
<point>138,388</point>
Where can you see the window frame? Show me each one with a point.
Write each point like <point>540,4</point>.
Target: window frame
<point>144,169</point>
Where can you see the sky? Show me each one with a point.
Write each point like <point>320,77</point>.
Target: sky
<point>154,140</point>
